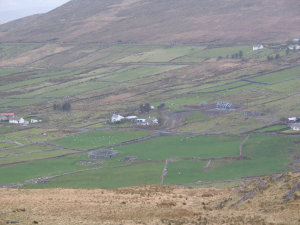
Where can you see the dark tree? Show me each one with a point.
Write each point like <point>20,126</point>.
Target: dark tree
<point>277,56</point>
<point>66,106</point>
<point>241,54</point>
<point>287,51</point>
<point>62,107</point>
<point>145,108</point>
<point>161,106</point>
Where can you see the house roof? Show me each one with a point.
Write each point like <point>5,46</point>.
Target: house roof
<point>7,114</point>
<point>117,117</point>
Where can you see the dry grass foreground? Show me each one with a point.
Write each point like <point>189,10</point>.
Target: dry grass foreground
<point>270,200</point>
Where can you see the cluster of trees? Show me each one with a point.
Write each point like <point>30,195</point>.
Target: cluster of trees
<point>287,51</point>
<point>162,105</point>
<point>270,57</point>
<point>62,107</point>
<point>144,108</point>
<point>237,55</point>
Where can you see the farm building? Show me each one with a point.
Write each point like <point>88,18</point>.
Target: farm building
<point>152,121</point>
<point>147,122</point>
<point>116,118</point>
<point>3,118</point>
<point>295,126</point>
<point>224,105</point>
<point>293,119</point>
<point>131,117</point>
<point>257,47</point>
<point>137,120</point>
<point>292,47</point>
<point>35,121</point>
<point>7,114</point>
<point>16,120</point>
<point>296,40</point>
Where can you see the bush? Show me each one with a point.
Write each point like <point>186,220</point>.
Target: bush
<point>145,108</point>
<point>62,107</point>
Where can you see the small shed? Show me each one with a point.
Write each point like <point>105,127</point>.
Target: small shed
<point>293,119</point>
<point>257,47</point>
<point>17,120</point>
<point>116,118</point>
<point>295,126</point>
<point>292,47</point>
<point>140,120</point>
<point>35,121</point>
<point>3,118</point>
<point>131,117</point>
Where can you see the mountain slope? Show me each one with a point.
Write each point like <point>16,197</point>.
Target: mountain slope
<point>156,205</point>
<point>154,21</point>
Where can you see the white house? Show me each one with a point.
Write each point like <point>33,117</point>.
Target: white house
<point>152,120</point>
<point>131,117</point>
<point>147,122</point>
<point>295,126</point>
<point>293,119</point>
<point>140,120</point>
<point>292,47</point>
<point>16,120</point>
<point>116,118</point>
<point>35,121</point>
<point>257,47</point>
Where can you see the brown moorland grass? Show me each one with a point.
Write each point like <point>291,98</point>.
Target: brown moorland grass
<point>158,204</point>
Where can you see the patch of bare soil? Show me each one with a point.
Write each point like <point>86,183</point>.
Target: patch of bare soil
<point>270,200</point>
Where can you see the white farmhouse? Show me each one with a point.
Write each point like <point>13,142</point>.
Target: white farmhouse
<point>16,120</point>
<point>295,126</point>
<point>292,119</point>
<point>257,47</point>
<point>292,47</point>
<point>116,118</point>
<point>35,121</point>
<point>131,117</point>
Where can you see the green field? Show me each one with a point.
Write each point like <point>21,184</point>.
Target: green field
<point>279,76</point>
<point>145,174</point>
<point>161,54</point>
<point>99,138</point>
<point>182,146</point>
<point>184,172</point>
<point>268,155</point>
<point>188,80</point>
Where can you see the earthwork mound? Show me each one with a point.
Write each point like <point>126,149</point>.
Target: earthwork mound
<point>102,154</point>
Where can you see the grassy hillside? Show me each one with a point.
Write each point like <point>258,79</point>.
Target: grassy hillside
<point>195,141</point>
<point>182,58</point>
